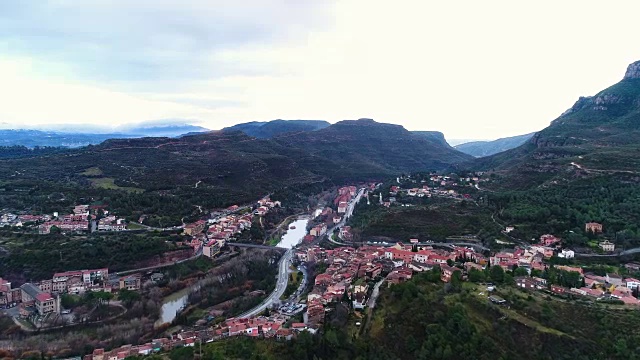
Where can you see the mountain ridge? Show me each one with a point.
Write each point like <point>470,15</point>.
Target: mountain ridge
<point>228,162</point>
<point>598,134</point>
<point>488,148</point>
<point>270,129</point>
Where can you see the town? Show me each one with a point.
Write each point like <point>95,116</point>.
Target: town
<point>345,271</point>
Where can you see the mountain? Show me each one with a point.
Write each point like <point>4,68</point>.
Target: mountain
<point>74,136</point>
<point>33,138</point>
<point>169,130</point>
<point>598,135</point>
<point>436,136</point>
<point>269,129</point>
<point>367,148</point>
<point>232,165</point>
<point>487,148</point>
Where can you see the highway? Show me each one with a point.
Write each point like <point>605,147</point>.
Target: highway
<point>281,285</point>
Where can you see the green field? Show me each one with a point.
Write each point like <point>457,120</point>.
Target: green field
<point>92,171</point>
<point>108,183</point>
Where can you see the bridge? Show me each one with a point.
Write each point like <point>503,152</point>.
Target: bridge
<point>255,246</point>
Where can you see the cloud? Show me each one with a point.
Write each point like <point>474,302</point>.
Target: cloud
<point>148,39</point>
<point>470,69</point>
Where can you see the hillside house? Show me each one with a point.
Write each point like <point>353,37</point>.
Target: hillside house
<point>593,227</point>
<point>607,246</point>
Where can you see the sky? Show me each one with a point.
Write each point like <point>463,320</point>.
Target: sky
<point>471,69</point>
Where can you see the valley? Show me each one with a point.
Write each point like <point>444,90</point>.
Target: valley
<point>356,239</point>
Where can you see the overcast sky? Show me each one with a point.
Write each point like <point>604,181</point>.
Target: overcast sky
<point>471,69</point>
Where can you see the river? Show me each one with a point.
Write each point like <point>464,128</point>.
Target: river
<point>293,237</point>
<point>174,303</point>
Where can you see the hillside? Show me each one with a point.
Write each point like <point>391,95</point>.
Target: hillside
<point>367,148</point>
<point>425,319</point>
<point>269,129</point>
<point>436,136</point>
<point>488,148</point>
<point>597,135</point>
<point>227,166</point>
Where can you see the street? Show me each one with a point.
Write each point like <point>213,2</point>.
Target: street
<point>281,285</point>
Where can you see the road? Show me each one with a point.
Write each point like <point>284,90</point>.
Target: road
<point>281,285</point>
<point>347,215</point>
<point>622,253</point>
<point>374,295</point>
<point>283,266</point>
<point>195,256</point>
<point>255,246</point>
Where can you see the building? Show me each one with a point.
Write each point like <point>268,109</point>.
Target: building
<point>76,281</point>
<point>5,292</point>
<point>44,303</point>
<point>213,248</point>
<point>130,282</point>
<point>111,223</point>
<point>567,254</point>
<point>195,228</point>
<point>632,283</point>
<point>607,246</point>
<point>593,227</point>
<point>342,207</point>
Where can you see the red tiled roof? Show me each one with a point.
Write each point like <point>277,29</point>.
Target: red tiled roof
<point>44,297</point>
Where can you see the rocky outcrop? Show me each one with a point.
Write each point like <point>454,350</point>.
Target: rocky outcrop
<point>633,71</point>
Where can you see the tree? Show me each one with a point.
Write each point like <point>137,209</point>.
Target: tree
<point>477,276</point>
<point>520,272</point>
<point>181,353</point>
<point>456,280</point>
<point>497,274</point>
<point>128,297</point>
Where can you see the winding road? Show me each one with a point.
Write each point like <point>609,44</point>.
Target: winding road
<point>281,285</point>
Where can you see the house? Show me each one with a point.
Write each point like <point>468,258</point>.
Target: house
<point>509,229</point>
<point>194,228</point>
<point>45,303</point>
<point>447,272</point>
<point>593,227</point>
<point>130,282</point>
<point>345,233</point>
<point>5,292</point>
<point>570,269</point>
<point>614,279</point>
<point>527,283</point>
<point>632,266</point>
<point>632,283</point>
<point>342,207</point>
<point>318,230</point>
<point>567,254</point>
<point>548,240</point>
<point>607,246</point>
<point>558,289</point>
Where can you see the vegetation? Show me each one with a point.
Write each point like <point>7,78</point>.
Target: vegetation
<point>564,210</point>
<point>35,257</point>
<point>436,222</point>
<point>425,319</point>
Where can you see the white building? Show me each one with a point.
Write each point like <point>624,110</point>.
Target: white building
<point>567,254</point>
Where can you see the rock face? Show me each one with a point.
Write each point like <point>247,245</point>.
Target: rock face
<point>633,71</point>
